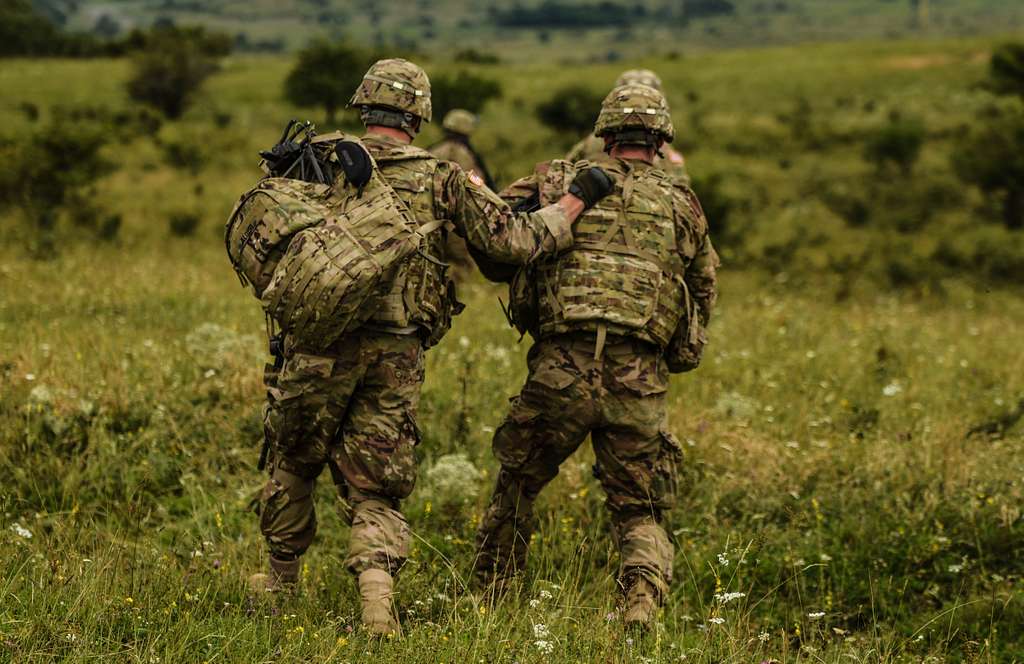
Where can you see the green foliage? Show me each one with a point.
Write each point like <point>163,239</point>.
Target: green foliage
<point>45,169</point>
<point>1006,69</point>
<point>557,14</point>
<point>991,157</point>
<point>462,90</point>
<point>326,74</point>
<point>473,56</point>
<point>183,224</point>
<point>572,109</point>
<point>171,67</point>
<point>898,144</point>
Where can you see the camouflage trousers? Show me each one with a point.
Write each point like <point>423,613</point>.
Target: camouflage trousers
<point>619,400</point>
<point>352,409</point>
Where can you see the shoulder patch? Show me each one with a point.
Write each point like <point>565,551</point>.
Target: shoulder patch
<point>675,157</point>
<point>476,179</point>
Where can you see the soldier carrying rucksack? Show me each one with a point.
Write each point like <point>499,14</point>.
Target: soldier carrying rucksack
<point>351,405</point>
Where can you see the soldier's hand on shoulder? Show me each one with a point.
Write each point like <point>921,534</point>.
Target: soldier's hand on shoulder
<point>591,185</point>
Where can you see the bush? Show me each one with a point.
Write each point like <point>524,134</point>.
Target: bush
<point>898,144</point>
<point>172,66</point>
<point>183,224</point>
<point>1006,69</point>
<point>463,90</point>
<point>473,56</point>
<point>991,157</point>
<point>326,75</point>
<point>573,108</point>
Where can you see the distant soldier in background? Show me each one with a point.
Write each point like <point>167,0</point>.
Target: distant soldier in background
<point>352,407</point>
<point>458,126</point>
<point>592,147</point>
<point>611,318</point>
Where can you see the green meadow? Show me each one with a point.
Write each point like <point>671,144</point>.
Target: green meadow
<point>855,466</point>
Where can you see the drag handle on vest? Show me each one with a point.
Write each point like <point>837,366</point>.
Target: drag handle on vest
<point>355,162</point>
<point>591,185</point>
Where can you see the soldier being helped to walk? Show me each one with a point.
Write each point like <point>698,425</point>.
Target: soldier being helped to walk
<point>352,407</point>
<point>611,318</point>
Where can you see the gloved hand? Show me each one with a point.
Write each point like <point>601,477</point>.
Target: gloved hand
<point>591,185</point>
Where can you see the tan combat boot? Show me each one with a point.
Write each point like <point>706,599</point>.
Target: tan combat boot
<point>376,588</point>
<point>641,604</point>
<point>283,576</point>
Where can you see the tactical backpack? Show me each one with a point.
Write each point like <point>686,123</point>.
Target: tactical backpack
<point>313,252</point>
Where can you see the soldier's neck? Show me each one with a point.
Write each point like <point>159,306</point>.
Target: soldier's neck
<point>390,132</point>
<point>633,152</point>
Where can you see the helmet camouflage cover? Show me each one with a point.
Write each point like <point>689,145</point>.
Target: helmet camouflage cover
<point>632,108</point>
<point>395,84</point>
<point>460,121</point>
<point>639,77</point>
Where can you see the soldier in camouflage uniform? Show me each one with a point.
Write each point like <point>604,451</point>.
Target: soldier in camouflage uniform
<point>459,125</point>
<point>611,319</point>
<point>353,407</point>
<point>593,147</point>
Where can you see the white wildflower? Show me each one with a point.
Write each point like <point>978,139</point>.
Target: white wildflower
<point>816,615</point>
<point>21,531</point>
<point>30,376</point>
<point>545,647</point>
<point>956,569</point>
<point>723,560</point>
<point>540,631</point>
<point>763,637</point>
<point>544,594</point>
<point>534,603</point>
<point>716,620</point>
<point>725,598</point>
<point>892,389</point>
<point>464,342</point>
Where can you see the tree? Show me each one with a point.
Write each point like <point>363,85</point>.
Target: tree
<point>172,64</point>
<point>898,143</point>
<point>992,158</point>
<point>573,108</point>
<point>463,90</point>
<point>1006,69</point>
<point>326,75</point>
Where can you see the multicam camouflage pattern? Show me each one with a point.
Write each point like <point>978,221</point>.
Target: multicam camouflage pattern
<point>396,84</point>
<point>352,409</point>
<point>329,271</point>
<point>457,149</point>
<point>460,121</point>
<point>639,77</point>
<point>641,261</point>
<point>265,220</point>
<point>619,400</point>
<point>420,295</point>
<point>671,161</point>
<point>635,107</point>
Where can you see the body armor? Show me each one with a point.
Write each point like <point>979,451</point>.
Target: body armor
<point>624,273</point>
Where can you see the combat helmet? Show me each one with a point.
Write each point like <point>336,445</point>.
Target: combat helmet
<point>639,77</point>
<point>394,92</point>
<point>459,121</point>
<point>635,114</point>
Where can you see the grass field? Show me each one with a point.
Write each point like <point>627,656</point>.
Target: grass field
<point>831,477</point>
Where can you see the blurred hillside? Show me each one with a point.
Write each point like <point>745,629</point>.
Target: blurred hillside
<point>540,29</point>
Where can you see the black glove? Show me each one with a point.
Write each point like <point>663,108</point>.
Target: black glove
<point>591,185</point>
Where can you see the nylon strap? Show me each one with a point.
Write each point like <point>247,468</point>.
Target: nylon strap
<point>602,336</point>
<point>397,85</point>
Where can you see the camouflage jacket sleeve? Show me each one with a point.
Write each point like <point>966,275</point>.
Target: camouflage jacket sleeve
<point>493,228</point>
<point>686,348</point>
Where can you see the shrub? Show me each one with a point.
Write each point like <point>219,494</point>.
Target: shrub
<point>573,108</point>
<point>169,73</point>
<point>898,143</point>
<point>991,157</point>
<point>183,224</point>
<point>463,90</point>
<point>473,56</point>
<point>1006,69</point>
<point>326,75</point>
